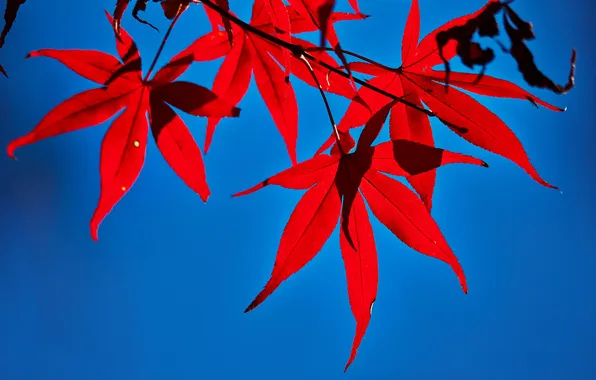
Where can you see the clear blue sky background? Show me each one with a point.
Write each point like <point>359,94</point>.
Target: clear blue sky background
<point>161,295</point>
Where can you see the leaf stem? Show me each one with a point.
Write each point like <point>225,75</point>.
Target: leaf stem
<point>327,106</point>
<point>163,42</point>
<point>298,51</point>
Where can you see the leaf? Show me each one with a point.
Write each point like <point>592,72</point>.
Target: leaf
<point>122,157</point>
<point>300,176</point>
<point>96,66</point>
<point>280,20</point>
<point>334,183</point>
<point>475,123</point>
<point>309,227</point>
<point>10,16</point>
<point>406,158</point>
<point>89,108</point>
<point>209,47</point>
<point>400,211</point>
<point>485,23</point>
<point>525,59</point>
<point>178,147</point>
<point>124,145</point>
<point>489,86</point>
<point>232,81</point>
<point>411,33</point>
<point>3,71</point>
<point>280,100</point>
<point>354,4</point>
<point>360,262</point>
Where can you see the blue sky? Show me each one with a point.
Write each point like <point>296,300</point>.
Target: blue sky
<point>161,295</point>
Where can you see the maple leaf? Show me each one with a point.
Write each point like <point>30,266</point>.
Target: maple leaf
<point>10,16</point>
<point>250,54</point>
<point>417,82</point>
<point>337,185</point>
<point>124,145</point>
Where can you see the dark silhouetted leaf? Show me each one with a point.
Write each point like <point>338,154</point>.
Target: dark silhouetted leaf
<point>10,16</point>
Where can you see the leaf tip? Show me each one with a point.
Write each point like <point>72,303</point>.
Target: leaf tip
<point>10,150</point>
<point>108,15</point>
<point>236,112</point>
<point>349,363</point>
<point>250,307</point>
<point>94,233</point>
<point>256,302</point>
<point>485,164</point>
<point>552,187</point>
<point>33,54</point>
<point>94,228</point>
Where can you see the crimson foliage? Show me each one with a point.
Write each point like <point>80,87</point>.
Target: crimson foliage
<point>352,173</point>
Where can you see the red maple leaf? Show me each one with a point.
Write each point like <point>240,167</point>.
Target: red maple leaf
<point>124,145</point>
<point>337,184</point>
<point>252,54</point>
<point>418,83</point>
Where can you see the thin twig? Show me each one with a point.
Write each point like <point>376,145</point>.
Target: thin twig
<point>327,106</point>
<point>163,42</point>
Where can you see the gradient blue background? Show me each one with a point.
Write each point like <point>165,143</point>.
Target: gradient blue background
<point>161,295</point>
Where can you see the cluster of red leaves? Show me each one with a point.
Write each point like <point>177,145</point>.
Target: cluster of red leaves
<point>338,183</point>
<point>124,145</point>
